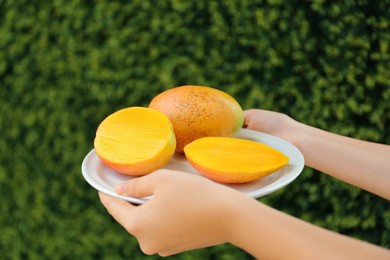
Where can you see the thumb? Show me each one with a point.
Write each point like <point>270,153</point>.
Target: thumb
<point>138,187</point>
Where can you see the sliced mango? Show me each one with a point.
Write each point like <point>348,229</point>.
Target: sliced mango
<point>135,141</point>
<point>233,160</point>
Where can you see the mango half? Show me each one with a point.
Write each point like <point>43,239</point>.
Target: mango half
<point>199,111</point>
<point>233,160</point>
<point>135,141</point>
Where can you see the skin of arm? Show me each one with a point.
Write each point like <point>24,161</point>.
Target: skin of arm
<point>360,163</point>
<point>188,211</point>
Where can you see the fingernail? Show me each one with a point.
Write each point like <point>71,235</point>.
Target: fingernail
<point>120,188</point>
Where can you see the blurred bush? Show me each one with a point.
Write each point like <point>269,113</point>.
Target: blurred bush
<point>65,65</point>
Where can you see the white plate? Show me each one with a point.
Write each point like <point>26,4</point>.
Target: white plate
<point>104,179</point>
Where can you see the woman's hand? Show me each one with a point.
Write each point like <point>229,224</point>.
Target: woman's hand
<point>274,123</point>
<point>186,211</point>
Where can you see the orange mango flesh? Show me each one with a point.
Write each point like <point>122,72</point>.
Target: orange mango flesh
<point>199,111</point>
<point>233,160</point>
<point>135,141</point>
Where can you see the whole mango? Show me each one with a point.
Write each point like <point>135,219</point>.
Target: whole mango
<point>199,111</point>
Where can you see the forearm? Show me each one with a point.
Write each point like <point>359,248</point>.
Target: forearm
<point>269,234</point>
<point>360,163</point>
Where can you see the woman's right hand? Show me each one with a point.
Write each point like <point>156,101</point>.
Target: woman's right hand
<point>274,123</point>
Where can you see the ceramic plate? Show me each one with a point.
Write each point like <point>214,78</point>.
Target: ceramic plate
<point>104,179</point>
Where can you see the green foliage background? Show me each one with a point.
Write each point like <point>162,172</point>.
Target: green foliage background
<point>65,65</point>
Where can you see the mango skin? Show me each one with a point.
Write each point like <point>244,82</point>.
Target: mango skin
<point>199,111</point>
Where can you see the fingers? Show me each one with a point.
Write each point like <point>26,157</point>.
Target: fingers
<point>261,120</point>
<point>246,118</point>
<point>119,209</point>
<point>249,118</point>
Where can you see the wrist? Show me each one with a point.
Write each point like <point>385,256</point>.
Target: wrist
<point>294,131</point>
<point>240,228</point>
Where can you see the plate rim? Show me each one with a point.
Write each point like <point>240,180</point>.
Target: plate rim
<point>98,187</point>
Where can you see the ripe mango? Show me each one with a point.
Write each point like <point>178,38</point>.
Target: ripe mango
<point>135,141</point>
<point>199,111</point>
<point>233,160</point>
